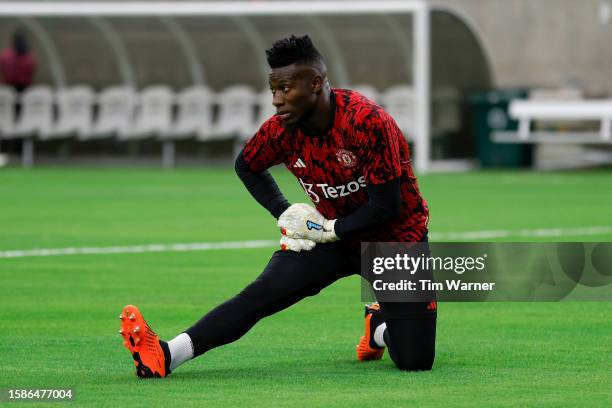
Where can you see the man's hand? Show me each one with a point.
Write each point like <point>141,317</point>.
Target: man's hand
<point>296,245</point>
<point>301,221</point>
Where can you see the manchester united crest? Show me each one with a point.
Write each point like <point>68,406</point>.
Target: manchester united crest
<point>346,158</point>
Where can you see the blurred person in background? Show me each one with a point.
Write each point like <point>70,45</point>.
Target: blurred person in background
<point>17,68</point>
<point>18,63</point>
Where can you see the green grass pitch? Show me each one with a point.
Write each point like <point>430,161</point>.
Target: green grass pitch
<point>58,314</point>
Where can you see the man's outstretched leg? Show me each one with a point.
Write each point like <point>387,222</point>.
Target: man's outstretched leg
<point>288,278</point>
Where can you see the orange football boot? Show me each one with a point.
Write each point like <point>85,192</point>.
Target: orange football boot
<point>367,348</point>
<point>149,356</point>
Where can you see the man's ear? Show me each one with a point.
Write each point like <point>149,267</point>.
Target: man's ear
<point>317,84</point>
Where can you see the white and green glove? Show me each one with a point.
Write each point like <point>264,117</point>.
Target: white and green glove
<point>296,245</point>
<point>301,221</point>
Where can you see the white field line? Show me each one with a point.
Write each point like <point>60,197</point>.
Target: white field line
<point>138,249</point>
<point>207,246</point>
<point>524,233</point>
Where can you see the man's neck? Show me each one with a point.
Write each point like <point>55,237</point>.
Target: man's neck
<point>320,119</point>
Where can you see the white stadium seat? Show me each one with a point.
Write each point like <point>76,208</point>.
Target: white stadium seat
<point>265,110</point>
<point>194,117</point>
<point>398,101</point>
<point>368,91</point>
<point>36,117</point>
<point>75,108</point>
<point>236,113</point>
<point>446,110</point>
<point>7,111</point>
<point>153,116</point>
<point>115,115</point>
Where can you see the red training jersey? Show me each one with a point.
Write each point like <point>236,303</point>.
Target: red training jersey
<point>363,146</point>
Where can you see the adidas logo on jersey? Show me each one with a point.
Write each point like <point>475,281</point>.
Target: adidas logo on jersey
<point>299,163</point>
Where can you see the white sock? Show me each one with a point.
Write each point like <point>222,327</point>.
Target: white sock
<point>379,335</point>
<point>181,350</point>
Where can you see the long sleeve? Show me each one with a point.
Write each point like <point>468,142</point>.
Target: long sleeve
<point>262,187</point>
<point>384,203</point>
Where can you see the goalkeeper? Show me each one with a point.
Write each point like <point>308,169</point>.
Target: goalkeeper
<point>351,159</point>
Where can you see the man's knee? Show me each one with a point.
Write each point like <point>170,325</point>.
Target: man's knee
<point>412,343</point>
<point>421,362</point>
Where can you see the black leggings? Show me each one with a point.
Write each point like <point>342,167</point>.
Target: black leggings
<point>290,277</point>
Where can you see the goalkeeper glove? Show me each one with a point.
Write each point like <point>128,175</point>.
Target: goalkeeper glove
<point>304,222</point>
<point>296,245</point>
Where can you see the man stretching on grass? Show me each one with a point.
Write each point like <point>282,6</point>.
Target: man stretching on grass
<point>352,160</point>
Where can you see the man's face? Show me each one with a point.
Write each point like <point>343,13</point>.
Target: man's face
<point>294,92</point>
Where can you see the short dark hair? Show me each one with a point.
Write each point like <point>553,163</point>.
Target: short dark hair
<point>292,50</point>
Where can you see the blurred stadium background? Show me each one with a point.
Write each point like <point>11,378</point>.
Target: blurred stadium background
<point>123,147</point>
<point>116,87</point>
